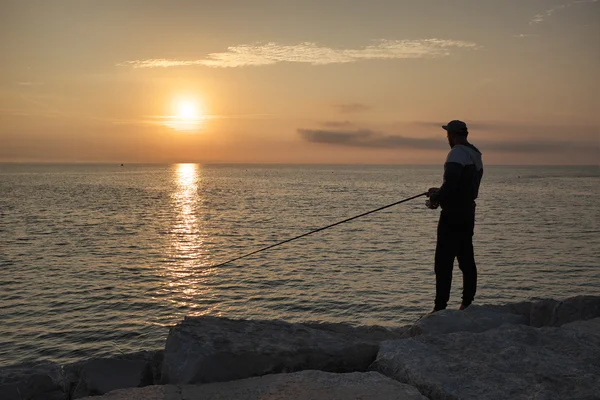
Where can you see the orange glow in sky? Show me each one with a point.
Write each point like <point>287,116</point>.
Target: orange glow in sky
<point>188,114</point>
<point>249,82</point>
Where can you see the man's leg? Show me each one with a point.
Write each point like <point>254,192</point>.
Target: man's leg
<point>445,253</point>
<point>466,263</point>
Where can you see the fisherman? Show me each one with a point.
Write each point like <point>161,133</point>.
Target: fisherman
<point>463,171</point>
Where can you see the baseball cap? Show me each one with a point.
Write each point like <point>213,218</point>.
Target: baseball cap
<point>456,126</point>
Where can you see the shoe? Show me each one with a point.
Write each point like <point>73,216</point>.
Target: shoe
<point>462,307</point>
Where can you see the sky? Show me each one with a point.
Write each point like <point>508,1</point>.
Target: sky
<point>310,81</point>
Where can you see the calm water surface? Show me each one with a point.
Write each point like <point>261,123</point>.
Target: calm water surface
<point>102,259</point>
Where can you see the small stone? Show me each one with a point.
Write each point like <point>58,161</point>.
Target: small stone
<point>44,381</point>
<point>100,376</point>
<point>105,375</point>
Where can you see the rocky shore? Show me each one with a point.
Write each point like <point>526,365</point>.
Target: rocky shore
<point>543,349</point>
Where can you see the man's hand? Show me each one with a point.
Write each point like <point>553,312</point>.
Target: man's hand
<point>431,204</point>
<point>432,191</point>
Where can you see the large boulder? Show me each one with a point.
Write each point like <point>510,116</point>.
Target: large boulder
<point>305,385</point>
<point>542,312</point>
<point>576,309</point>
<point>33,382</point>
<point>590,326</point>
<point>209,349</point>
<point>549,312</point>
<point>473,319</point>
<point>512,361</point>
<point>103,375</point>
<point>522,308</point>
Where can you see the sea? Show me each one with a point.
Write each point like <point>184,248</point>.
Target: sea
<point>98,260</point>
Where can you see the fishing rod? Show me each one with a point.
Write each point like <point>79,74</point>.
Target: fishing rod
<point>320,229</point>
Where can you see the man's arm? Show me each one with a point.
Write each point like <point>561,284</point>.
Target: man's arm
<point>452,174</point>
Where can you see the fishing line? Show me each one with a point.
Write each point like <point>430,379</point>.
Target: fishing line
<point>318,230</point>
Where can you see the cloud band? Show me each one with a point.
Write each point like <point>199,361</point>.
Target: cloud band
<point>366,138</point>
<point>308,52</point>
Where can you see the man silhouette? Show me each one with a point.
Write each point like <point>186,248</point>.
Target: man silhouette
<point>463,171</point>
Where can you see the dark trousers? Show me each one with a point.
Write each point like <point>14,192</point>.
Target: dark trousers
<point>455,240</point>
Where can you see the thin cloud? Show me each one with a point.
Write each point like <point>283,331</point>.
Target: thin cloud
<point>337,124</point>
<point>472,125</point>
<point>522,129</point>
<point>535,146</point>
<point>350,108</point>
<point>541,17</point>
<point>526,35</point>
<point>29,83</point>
<point>369,139</point>
<point>260,54</point>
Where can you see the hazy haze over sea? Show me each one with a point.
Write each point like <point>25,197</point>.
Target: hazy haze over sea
<point>102,259</point>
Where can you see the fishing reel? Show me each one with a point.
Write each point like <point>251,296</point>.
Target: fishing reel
<point>432,205</point>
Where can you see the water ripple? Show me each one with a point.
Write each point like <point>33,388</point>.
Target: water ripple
<point>99,260</point>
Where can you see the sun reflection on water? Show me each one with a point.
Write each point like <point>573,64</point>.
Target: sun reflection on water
<point>186,275</point>
<point>185,201</point>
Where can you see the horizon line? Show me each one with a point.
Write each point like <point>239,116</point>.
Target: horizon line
<point>272,163</point>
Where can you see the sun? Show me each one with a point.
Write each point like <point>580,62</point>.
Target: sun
<point>187,114</point>
<point>187,110</point>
